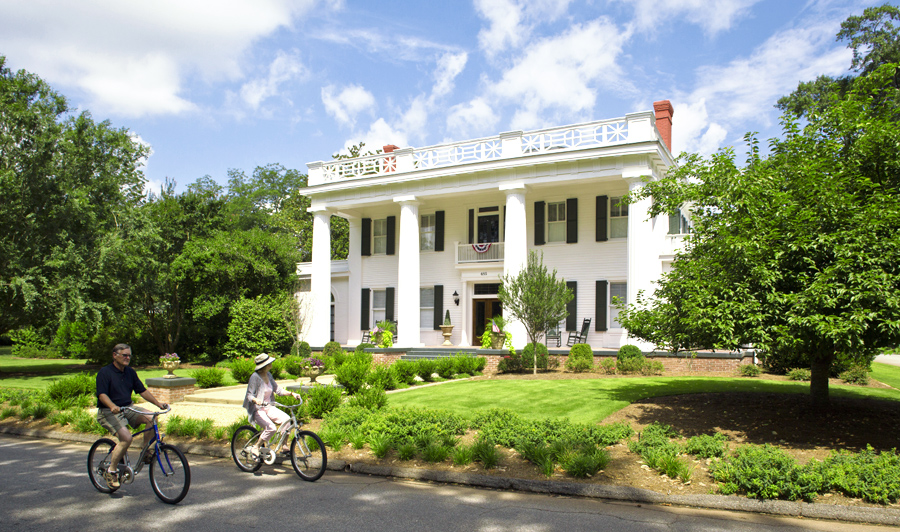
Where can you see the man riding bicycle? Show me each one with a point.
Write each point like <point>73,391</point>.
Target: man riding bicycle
<point>115,383</point>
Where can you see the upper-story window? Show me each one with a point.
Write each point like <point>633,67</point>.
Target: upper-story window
<point>379,239</point>
<point>618,218</point>
<point>678,224</point>
<point>556,222</point>
<point>426,232</point>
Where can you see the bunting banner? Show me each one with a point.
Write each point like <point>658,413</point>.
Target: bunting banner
<point>481,248</point>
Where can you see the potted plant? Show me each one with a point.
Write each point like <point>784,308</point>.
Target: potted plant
<point>447,329</point>
<point>383,333</point>
<point>494,333</point>
<point>312,368</point>
<point>169,362</point>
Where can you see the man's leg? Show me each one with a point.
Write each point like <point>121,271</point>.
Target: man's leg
<point>118,451</point>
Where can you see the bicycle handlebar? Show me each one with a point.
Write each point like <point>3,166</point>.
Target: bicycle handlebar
<point>136,411</point>
<point>276,403</point>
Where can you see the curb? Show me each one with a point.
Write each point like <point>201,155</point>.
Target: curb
<point>854,514</point>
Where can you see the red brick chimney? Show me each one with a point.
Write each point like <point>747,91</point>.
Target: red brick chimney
<point>389,163</point>
<point>389,148</point>
<point>664,112</point>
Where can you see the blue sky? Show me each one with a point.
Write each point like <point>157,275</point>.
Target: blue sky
<point>211,86</point>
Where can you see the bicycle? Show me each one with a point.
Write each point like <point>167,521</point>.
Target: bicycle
<point>308,456</point>
<point>170,474</point>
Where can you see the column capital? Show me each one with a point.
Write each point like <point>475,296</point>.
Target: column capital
<point>512,188</point>
<point>407,200</point>
<point>317,209</point>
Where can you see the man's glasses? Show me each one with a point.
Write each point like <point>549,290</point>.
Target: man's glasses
<point>128,355</point>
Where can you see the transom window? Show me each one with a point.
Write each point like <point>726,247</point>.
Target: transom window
<point>380,237</point>
<point>426,308</point>
<point>426,232</point>
<point>618,218</point>
<point>556,222</point>
<point>620,291</point>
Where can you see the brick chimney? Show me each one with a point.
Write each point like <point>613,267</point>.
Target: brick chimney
<point>664,112</point>
<point>389,148</point>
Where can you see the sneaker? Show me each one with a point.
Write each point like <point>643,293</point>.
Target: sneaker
<point>112,479</point>
<point>254,453</point>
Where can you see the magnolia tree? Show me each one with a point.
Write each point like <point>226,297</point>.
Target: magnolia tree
<point>795,252</point>
<point>535,297</point>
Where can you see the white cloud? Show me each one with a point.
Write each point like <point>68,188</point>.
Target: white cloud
<point>132,58</point>
<point>346,104</point>
<point>449,66</point>
<point>711,15</point>
<point>511,22</point>
<point>472,119</point>
<point>561,75</point>
<point>285,67</point>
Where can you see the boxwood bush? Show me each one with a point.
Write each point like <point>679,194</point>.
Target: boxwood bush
<point>581,358</point>
<point>242,368</point>
<point>73,385</point>
<point>209,377</point>
<point>528,355</point>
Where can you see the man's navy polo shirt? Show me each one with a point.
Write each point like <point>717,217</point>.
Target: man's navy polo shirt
<point>118,385</point>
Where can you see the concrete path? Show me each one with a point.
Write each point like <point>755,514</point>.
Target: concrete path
<point>893,360</point>
<point>234,395</point>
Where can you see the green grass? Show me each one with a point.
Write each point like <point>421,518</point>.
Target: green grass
<point>592,400</point>
<point>886,373</point>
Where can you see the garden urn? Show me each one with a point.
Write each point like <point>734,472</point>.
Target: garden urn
<point>447,330</point>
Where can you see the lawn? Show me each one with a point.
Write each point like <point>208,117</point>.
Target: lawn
<point>591,400</point>
<point>886,373</point>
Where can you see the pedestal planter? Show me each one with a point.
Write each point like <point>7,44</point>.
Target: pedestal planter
<point>313,373</point>
<point>447,330</point>
<point>170,366</point>
<point>497,340</point>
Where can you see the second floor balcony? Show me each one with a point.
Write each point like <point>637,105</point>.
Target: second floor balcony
<point>474,253</point>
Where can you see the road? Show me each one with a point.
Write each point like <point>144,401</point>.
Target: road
<point>45,487</point>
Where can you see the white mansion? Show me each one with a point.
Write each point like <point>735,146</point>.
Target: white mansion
<point>433,229</point>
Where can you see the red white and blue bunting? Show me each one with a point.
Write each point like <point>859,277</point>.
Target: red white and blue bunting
<point>481,248</point>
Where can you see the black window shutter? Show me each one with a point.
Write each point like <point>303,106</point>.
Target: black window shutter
<point>389,303</point>
<point>539,223</point>
<point>365,248</point>
<point>572,306</point>
<point>438,306</point>
<point>471,226</point>
<point>439,231</point>
<point>602,304</point>
<point>503,236</point>
<point>391,234</point>
<point>572,221</point>
<point>364,310</point>
<point>602,218</point>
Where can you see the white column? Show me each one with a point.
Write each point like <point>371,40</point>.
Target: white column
<point>641,259</point>
<point>465,319</point>
<point>320,309</point>
<point>516,249</point>
<point>354,285</point>
<point>408,294</point>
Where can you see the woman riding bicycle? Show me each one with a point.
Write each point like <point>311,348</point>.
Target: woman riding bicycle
<point>260,391</point>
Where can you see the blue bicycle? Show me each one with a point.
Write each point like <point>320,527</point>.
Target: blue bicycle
<point>170,474</point>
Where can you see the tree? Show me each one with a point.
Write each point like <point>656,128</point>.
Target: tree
<point>535,297</point>
<point>875,41</point>
<point>796,252</point>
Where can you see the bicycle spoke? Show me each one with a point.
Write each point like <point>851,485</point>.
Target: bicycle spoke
<point>308,456</point>
<point>170,474</point>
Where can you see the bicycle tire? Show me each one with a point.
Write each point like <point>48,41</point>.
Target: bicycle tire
<point>243,438</point>
<point>170,474</point>
<point>98,461</point>
<point>309,461</point>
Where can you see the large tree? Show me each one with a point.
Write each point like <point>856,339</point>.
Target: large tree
<point>796,252</point>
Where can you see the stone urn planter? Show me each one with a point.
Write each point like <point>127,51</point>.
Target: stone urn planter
<point>313,373</point>
<point>447,330</point>
<point>170,365</point>
<point>497,340</point>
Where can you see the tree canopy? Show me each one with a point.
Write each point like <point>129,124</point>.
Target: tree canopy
<point>795,252</point>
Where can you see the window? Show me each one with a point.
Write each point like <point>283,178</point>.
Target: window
<point>305,285</point>
<point>380,234</point>
<point>678,224</point>
<point>618,218</point>
<point>379,302</point>
<point>556,222</point>
<point>426,308</point>
<point>426,232</point>
<point>616,290</point>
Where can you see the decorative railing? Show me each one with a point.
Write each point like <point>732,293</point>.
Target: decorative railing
<point>635,127</point>
<point>467,253</point>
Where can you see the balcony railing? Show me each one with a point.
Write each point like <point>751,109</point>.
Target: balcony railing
<point>635,127</point>
<point>471,253</point>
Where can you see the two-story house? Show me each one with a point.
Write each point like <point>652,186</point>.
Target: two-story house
<point>433,229</point>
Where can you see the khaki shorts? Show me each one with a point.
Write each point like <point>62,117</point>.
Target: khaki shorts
<point>114,422</point>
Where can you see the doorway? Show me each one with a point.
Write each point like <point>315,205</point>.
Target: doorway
<point>488,228</point>
<point>485,309</point>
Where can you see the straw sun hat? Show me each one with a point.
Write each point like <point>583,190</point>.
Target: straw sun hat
<point>263,360</point>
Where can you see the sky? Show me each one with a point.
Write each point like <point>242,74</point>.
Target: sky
<point>231,84</point>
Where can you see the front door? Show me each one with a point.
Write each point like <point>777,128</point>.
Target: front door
<point>485,309</point>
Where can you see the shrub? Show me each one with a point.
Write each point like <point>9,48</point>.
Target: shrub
<point>799,374</point>
<point>750,370</point>
<point>26,337</point>
<point>242,368</point>
<point>73,385</point>
<point>293,365</point>
<point>371,398</point>
<point>277,368</point>
<point>586,463</point>
<point>445,367</point>
<point>766,472</point>
<point>486,452</point>
<point>209,377</point>
<point>332,349</point>
<point>72,339</point>
<point>381,445</point>
<point>407,450</point>
<point>465,363</point>
<point>406,424</point>
<point>511,363</point>
<point>706,446</point>
<point>425,369</point>
<point>333,437</point>
<point>608,366</point>
<point>405,370</point>
<point>652,367</point>
<point>301,350</point>
<point>257,326</point>
<point>630,364</point>
<point>528,354</point>
<point>382,376</point>
<point>870,476</point>
<point>856,375</point>
<point>462,455</point>
<point>629,351</point>
<point>323,399</point>
<point>581,358</point>
<point>353,372</point>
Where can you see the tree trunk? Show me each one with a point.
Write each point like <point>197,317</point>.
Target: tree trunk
<point>818,381</point>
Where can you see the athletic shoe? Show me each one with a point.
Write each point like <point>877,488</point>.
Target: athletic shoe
<point>112,479</point>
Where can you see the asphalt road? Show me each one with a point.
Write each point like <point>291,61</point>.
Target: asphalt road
<point>45,487</point>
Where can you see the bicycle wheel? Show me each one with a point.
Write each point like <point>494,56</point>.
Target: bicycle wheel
<point>170,474</point>
<point>308,456</point>
<point>98,462</point>
<point>245,437</point>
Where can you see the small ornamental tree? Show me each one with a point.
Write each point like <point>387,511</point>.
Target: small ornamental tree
<point>536,297</point>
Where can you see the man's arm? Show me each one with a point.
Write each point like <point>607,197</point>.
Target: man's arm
<point>107,402</point>
<point>149,398</point>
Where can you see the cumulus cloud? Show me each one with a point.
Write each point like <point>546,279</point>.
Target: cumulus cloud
<point>711,15</point>
<point>285,67</point>
<point>449,66</point>
<point>511,22</point>
<point>346,103</point>
<point>472,119</point>
<point>132,58</point>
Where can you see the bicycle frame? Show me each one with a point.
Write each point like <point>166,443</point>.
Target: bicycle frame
<point>283,432</point>
<point>129,473</point>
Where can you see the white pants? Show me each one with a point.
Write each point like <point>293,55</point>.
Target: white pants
<point>268,417</point>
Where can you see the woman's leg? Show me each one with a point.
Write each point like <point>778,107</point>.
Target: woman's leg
<point>262,419</point>
<point>280,418</point>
